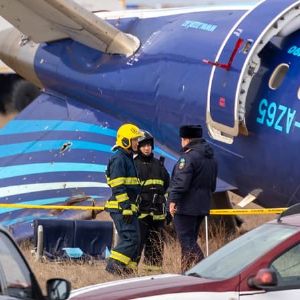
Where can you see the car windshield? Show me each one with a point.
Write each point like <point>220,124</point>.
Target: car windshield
<point>236,255</point>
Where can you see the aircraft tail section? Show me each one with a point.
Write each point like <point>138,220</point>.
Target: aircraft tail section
<point>55,150</point>
<point>55,153</point>
<point>50,20</point>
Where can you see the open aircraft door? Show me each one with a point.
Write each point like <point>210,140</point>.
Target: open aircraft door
<point>238,60</point>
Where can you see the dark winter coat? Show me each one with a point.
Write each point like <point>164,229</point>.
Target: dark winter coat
<point>154,180</point>
<point>194,179</point>
<point>122,178</point>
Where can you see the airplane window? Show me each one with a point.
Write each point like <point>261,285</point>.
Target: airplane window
<point>278,76</point>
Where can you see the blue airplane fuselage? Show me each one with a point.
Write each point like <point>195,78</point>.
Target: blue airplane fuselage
<point>165,84</point>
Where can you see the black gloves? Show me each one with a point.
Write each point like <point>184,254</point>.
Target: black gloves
<point>127,216</point>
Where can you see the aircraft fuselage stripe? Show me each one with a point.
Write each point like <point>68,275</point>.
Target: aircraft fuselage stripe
<point>67,193</point>
<point>44,168</point>
<point>57,145</point>
<point>38,187</point>
<point>27,126</point>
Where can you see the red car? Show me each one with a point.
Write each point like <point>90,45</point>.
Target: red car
<point>261,264</point>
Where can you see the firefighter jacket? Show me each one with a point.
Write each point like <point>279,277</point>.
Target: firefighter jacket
<point>193,179</point>
<point>154,180</point>
<point>122,178</point>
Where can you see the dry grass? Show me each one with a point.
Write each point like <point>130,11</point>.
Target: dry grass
<point>78,273</point>
<point>87,273</point>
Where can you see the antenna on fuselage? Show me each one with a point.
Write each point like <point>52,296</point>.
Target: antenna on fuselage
<point>292,210</point>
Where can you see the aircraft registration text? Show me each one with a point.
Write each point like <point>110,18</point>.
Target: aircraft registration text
<point>276,116</point>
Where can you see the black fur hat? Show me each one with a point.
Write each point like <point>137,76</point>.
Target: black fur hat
<point>190,131</point>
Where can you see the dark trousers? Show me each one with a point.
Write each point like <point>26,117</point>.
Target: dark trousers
<point>151,241</point>
<point>128,237</point>
<point>187,230</point>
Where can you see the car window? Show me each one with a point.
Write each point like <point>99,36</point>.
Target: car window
<point>15,276</point>
<point>236,255</point>
<point>287,267</point>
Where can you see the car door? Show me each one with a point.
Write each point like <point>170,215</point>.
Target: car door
<point>287,268</point>
<point>16,279</point>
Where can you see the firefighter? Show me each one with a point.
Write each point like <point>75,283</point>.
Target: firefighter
<point>192,183</point>
<point>122,179</point>
<point>154,180</point>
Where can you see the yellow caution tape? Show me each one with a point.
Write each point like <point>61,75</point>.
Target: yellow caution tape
<point>259,211</point>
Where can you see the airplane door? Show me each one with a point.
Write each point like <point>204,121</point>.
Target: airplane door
<point>236,63</point>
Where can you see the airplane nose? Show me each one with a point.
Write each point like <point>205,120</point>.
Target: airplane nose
<point>18,52</point>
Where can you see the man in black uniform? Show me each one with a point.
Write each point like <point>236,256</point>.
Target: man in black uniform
<point>122,178</point>
<point>154,180</point>
<point>192,183</point>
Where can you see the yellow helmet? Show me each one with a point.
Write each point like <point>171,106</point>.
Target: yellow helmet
<point>126,133</point>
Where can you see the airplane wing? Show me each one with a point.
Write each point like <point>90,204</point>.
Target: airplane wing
<point>59,19</point>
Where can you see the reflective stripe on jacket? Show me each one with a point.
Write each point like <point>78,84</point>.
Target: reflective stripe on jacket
<point>154,180</point>
<point>122,178</point>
